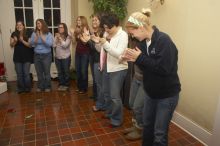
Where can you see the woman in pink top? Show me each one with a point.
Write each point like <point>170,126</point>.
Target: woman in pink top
<point>62,43</point>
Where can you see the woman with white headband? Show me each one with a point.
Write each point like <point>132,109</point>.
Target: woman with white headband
<point>157,56</point>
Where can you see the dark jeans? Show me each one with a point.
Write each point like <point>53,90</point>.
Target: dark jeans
<point>82,64</point>
<point>156,117</point>
<point>42,63</point>
<point>91,62</point>
<point>63,68</point>
<point>23,76</point>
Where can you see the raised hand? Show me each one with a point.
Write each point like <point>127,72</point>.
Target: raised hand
<point>85,37</point>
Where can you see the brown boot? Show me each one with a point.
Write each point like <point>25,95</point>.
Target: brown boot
<point>128,130</point>
<point>134,135</point>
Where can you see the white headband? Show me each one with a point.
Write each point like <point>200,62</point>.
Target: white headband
<point>135,21</point>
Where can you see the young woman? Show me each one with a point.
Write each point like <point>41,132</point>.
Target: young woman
<point>42,41</point>
<point>62,43</point>
<point>23,57</point>
<point>81,54</point>
<point>100,77</point>
<point>157,56</point>
<point>114,42</point>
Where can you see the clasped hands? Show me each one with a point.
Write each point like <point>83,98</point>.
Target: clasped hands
<point>131,55</point>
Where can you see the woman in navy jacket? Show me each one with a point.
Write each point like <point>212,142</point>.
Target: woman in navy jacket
<point>157,56</point>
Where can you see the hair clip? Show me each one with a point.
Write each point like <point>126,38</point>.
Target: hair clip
<point>135,21</point>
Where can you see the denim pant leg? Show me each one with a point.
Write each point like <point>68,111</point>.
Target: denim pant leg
<point>92,63</point>
<point>138,105</point>
<point>133,91</point>
<point>42,64</point>
<point>84,71</point>
<point>26,72</point>
<point>116,83</point>
<point>82,64</point>
<point>157,116</point>
<point>78,70</point>
<point>39,70</point>
<point>66,70</point>
<point>164,113</point>
<point>100,101</point>
<point>58,63</point>
<point>46,61</point>
<point>63,66</point>
<point>106,91</point>
<point>19,72</point>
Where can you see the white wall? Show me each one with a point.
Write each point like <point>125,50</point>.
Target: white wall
<point>7,26</point>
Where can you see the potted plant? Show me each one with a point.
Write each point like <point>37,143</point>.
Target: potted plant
<point>118,7</point>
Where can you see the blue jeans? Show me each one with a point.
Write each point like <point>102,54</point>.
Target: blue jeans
<point>92,63</point>
<point>82,64</point>
<point>115,108</point>
<point>157,116</point>
<point>42,63</point>
<point>23,76</point>
<point>136,100</point>
<point>102,86</point>
<point>63,68</point>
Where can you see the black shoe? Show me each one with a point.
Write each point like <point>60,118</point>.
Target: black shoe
<point>19,92</point>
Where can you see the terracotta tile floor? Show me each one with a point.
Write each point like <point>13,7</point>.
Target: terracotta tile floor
<point>64,118</point>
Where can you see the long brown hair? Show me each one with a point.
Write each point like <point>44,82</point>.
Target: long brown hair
<point>100,30</point>
<point>45,29</point>
<point>17,33</point>
<point>84,24</point>
<point>65,33</point>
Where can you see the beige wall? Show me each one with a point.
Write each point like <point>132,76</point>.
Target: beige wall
<point>193,25</point>
<point>81,8</point>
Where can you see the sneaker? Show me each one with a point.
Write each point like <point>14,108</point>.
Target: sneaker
<point>82,92</point>
<point>47,90</point>
<point>95,109</point>
<point>38,90</point>
<point>63,88</point>
<point>60,88</point>
<point>134,135</point>
<point>128,130</point>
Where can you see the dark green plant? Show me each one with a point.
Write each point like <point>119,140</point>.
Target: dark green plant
<point>118,7</point>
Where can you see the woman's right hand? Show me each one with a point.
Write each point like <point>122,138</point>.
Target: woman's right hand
<point>96,39</point>
<point>15,39</point>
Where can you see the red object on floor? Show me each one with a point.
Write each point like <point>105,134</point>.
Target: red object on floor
<point>11,110</point>
<point>2,69</point>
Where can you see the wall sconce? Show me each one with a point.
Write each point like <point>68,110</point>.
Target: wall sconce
<point>162,2</point>
<point>155,3</point>
<point>158,1</point>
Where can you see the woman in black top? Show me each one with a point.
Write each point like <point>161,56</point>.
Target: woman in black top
<point>23,57</point>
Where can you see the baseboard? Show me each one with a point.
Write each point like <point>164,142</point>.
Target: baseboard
<point>192,128</point>
<point>3,87</point>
